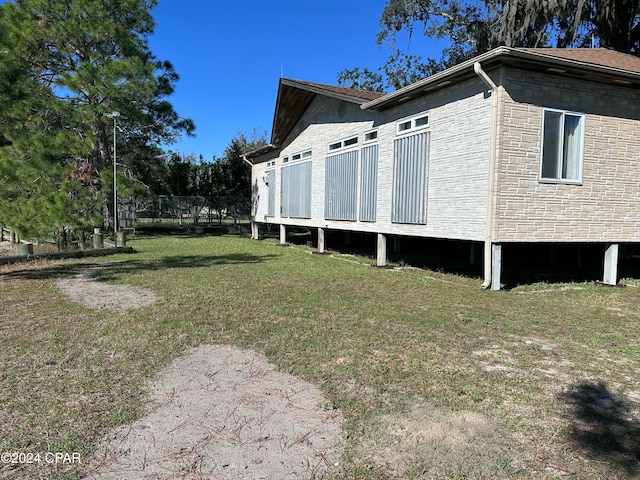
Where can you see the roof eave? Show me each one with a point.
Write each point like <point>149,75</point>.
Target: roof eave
<point>445,77</point>
<point>250,156</point>
<point>432,82</point>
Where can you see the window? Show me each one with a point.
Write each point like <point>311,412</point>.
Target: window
<point>368,183</point>
<point>271,193</point>
<point>295,195</point>
<point>285,160</point>
<point>299,156</point>
<point>413,124</point>
<point>343,144</point>
<point>404,126</point>
<point>272,163</point>
<point>341,186</point>
<point>410,169</point>
<point>562,146</point>
<point>371,136</point>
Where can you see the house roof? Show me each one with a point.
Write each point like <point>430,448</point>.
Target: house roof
<point>295,96</point>
<point>595,56</point>
<point>596,64</point>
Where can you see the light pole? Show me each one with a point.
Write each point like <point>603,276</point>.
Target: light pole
<point>114,115</point>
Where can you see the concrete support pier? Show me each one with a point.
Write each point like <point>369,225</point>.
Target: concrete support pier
<point>382,250</point>
<point>320,240</point>
<point>496,265</point>
<point>610,276</point>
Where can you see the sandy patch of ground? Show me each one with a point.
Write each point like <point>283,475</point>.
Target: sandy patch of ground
<point>224,413</point>
<point>434,442</point>
<point>217,413</point>
<point>84,289</point>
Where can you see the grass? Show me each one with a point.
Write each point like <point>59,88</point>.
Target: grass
<point>436,377</point>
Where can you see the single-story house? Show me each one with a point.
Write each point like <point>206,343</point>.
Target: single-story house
<point>516,145</point>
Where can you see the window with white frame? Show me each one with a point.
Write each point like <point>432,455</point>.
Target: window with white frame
<point>300,155</point>
<point>343,143</point>
<point>562,146</point>
<point>371,136</point>
<point>411,124</point>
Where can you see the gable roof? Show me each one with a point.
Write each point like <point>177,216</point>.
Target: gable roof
<point>295,96</point>
<point>596,64</point>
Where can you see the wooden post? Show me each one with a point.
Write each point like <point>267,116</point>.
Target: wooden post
<point>283,234</point>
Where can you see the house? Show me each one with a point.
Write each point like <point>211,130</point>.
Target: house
<point>515,146</point>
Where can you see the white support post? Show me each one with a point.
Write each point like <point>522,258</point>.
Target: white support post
<point>320,240</point>
<point>382,250</point>
<point>283,234</point>
<point>254,230</point>
<point>496,265</point>
<point>610,276</point>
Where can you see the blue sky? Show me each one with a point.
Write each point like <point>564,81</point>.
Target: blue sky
<point>230,55</point>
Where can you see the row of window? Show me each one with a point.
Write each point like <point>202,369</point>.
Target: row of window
<point>562,144</point>
<point>405,126</point>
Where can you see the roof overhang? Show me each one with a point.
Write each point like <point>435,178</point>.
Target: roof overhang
<point>520,58</point>
<point>252,156</point>
<point>295,96</point>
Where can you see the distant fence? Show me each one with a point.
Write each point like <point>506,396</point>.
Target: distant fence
<point>192,209</point>
<point>8,235</point>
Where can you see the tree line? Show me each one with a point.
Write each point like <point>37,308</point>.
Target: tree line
<point>473,27</point>
<point>65,66</point>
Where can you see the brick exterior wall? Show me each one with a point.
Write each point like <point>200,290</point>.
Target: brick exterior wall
<point>604,207</point>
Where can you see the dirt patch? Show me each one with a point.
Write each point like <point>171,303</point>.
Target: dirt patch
<point>224,413</point>
<point>434,442</point>
<point>84,289</point>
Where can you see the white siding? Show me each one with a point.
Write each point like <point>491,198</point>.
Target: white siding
<point>459,121</point>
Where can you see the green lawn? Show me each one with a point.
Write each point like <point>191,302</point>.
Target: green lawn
<point>436,378</point>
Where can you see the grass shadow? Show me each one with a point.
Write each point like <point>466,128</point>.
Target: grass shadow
<point>111,270</point>
<point>602,426</point>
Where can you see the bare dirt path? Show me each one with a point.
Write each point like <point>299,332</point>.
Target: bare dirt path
<point>84,289</point>
<point>224,413</point>
<point>216,413</point>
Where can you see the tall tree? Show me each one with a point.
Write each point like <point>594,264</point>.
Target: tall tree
<point>472,27</point>
<point>64,65</point>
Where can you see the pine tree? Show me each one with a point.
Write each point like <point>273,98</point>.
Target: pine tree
<point>64,65</point>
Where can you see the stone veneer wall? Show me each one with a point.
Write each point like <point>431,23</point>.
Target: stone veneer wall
<point>605,207</point>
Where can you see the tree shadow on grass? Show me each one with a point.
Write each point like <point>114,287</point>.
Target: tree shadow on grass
<point>603,426</point>
<point>111,270</point>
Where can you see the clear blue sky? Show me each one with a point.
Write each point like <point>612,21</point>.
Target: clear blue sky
<point>230,55</point>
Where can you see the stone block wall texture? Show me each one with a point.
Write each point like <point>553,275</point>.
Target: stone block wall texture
<point>604,206</point>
